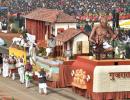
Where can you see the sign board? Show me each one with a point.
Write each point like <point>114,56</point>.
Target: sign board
<point>111,78</point>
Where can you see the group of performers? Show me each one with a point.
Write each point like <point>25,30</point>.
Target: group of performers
<point>25,68</point>
<point>13,65</point>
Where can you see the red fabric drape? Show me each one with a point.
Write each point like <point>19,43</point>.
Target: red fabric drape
<point>36,28</point>
<point>88,66</point>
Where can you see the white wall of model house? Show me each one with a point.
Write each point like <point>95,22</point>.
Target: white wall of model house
<point>85,43</point>
<point>63,25</point>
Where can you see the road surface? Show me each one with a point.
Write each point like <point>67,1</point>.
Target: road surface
<point>13,89</point>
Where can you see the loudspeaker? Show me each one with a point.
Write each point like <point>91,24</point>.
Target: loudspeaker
<point>113,18</point>
<point>113,23</point>
<point>113,14</point>
<point>117,19</point>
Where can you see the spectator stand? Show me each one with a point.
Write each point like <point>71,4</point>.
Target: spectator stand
<point>4,11</point>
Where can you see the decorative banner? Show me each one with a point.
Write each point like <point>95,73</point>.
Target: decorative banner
<point>79,78</point>
<point>111,78</point>
<point>18,53</point>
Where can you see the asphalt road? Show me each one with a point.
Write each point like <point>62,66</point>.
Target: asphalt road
<point>13,89</point>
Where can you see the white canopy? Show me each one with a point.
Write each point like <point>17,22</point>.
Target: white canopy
<point>2,42</point>
<point>125,24</point>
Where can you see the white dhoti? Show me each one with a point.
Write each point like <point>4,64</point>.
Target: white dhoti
<point>106,45</point>
<point>21,74</point>
<point>11,71</point>
<point>48,51</point>
<point>4,31</point>
<point>32,53</point>
<point>5,69</point>
<point>43,87</point>
<point>0,70</point>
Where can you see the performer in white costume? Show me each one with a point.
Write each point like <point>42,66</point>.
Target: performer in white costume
<point>42,81</point>
<point>12,67</point>
<point>32,53</point>
<point>21,70</point>
<point>50,45</point>
<point>5,66</point>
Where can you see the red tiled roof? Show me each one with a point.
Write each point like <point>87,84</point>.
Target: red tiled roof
<point>50,15</point>
<point>62,17</point>
<point>8,37</point>
<point>68,34</point>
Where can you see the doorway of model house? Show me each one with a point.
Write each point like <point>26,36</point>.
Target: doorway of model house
<point>79,47</point>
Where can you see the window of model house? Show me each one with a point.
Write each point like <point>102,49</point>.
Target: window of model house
<point>79,47</point>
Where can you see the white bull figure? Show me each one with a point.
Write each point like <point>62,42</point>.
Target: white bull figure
<point>18,41</point>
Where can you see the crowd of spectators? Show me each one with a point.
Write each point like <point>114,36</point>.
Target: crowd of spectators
<point>72,7</point>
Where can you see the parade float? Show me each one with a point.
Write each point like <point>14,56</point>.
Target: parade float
<point>105,74</point>
<point>105,79</point>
